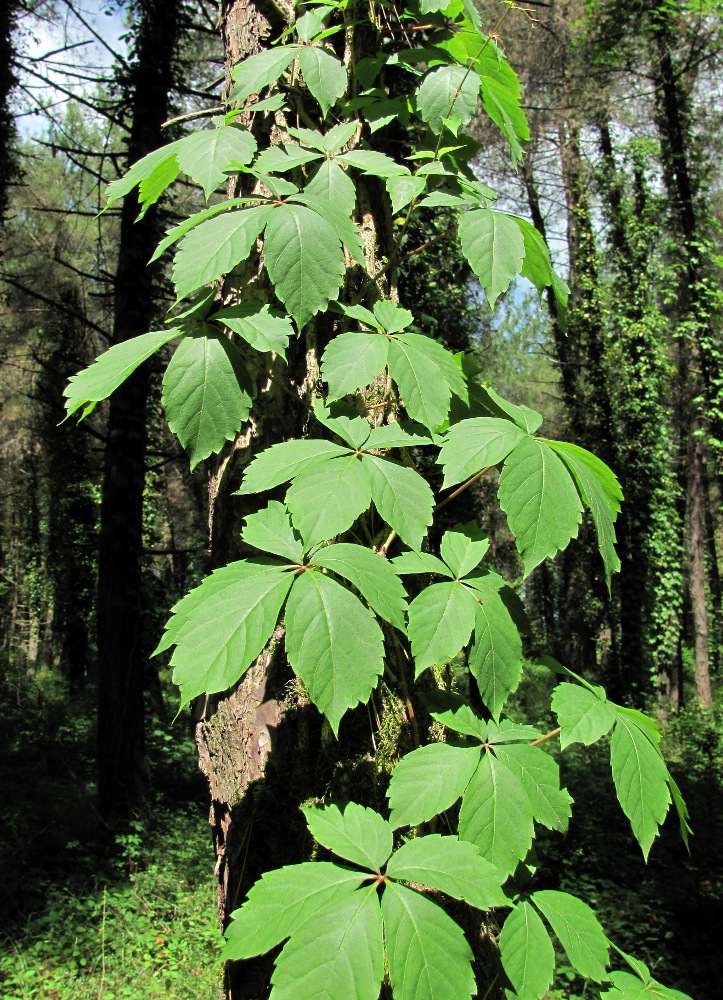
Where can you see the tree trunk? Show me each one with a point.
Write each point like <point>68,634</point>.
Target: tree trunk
<point>695,505</point>
<point>121,653</point>
<point>672,116</point>
<point>264,748</point>
<point>8,165</point>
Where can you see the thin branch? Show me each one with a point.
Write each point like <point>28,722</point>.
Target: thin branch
<point>193,114</point>
<point>34,293</point>
<point>461,489</point>
<point>548,736</point>
<point>94,33</point>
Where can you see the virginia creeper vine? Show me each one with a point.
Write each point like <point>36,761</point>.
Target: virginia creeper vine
<point>354,496</point>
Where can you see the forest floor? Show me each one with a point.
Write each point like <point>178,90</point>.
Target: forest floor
<point>85,916</point>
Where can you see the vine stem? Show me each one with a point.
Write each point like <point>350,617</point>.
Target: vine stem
<point>428,244</point>
<point>193,114</point>
<point>460,489</point>
<point>548,736</point>
<point>384,549</point>
<point>401,656</point>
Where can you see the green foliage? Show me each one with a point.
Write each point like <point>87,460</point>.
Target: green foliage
<point>112,369</point>
<point>335,924</point>
<point>327,590</point>
<point>206,393</point>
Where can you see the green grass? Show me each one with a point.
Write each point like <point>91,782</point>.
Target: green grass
<point>83,914</point>
<point>150,934</point>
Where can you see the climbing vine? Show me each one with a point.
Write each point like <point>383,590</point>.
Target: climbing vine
<point>342,514</point>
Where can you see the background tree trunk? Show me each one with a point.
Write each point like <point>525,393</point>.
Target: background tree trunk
<point>121,654</point>
<point>8,165</point>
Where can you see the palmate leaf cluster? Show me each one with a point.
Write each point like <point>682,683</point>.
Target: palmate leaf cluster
<point>330,506</point>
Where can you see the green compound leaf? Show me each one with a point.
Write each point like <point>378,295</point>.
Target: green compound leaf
<point>539,774</point>
<point>446,92</point>
<point>579,932</point>
<point>429,780</point>
<point>259,71</point>
<point>111,369</point>
<point>270,530</point>
<point>463,548</point>
<point>493,405</point>
<point>353,832</point>
<point>333,643</point>
<point>509,732</point>
<point>176,232</point>
<point>641,780</point>
<point>454,866</point>
<point>331,183</point>
<point>441,620</point>
<point>206,154</point>
<point>324,76</point>
<point>537,266</point>
<point>215,247</point>
<point>372,162</point>
<point>392,317</point>
<point>403,189</point>
<point>682,809</point>
<point>402,497</point>
<point>501,98</point>
<point>281,462</point>
<point>283,900</point>
<point>360,313</point>
<point>338,953</point>
<point>495,658</point>
<point>425,394</point>
<point>222,635</point>
<point>420,562</point>
<point>447,365</point>
<point>496,815</point>
<point>527,954</point>
<point>264,328</point>
<point>352,361</point>
<point>152,187</point>
<point>345,423</point>
<point>344,227</point>
<point>338,136</point>
<point>327,500</point>
<point>449,709</point>
<point>475,444</point>
<point>648,726</point>
<point>373,577</point>
<point>493,244</point>
<point>207,394</point>
<point>404,434</point>
<point>428,955</point>
<point>583,716</point>
<point>304,259</point>
<point>601,493</point>
<point>282,158</point>
<point>308,26</point>
<point>629,987</point>
<point>141,170</point>
<point>539,497</point>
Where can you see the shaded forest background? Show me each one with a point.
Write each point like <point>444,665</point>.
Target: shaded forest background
<point>107,879</point>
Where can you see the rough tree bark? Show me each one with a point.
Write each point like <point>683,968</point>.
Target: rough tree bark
<point>121,732</point>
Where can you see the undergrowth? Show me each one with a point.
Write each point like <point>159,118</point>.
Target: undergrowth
<point>83,915</point>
